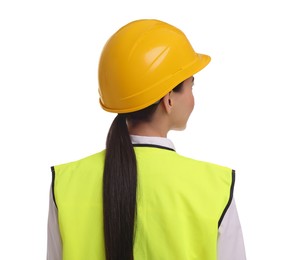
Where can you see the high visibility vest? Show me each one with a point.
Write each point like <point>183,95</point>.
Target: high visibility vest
<point>180,204</point>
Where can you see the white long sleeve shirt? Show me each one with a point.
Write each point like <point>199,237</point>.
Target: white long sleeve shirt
<point>230,238</point>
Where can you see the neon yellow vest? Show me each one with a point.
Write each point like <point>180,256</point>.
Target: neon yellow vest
<point>180,204</point>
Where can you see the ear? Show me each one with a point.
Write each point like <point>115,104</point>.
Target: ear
<point>167,102</point>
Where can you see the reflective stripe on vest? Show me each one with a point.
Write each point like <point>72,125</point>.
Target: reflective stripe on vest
<point>180,204</point>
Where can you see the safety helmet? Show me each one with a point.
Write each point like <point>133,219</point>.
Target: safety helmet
<point>142,62</point>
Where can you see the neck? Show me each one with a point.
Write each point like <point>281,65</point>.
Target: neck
<point>148,129</point>
<point>159,125</point>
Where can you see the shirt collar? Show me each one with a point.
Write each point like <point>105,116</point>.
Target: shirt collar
<point>152,140</point>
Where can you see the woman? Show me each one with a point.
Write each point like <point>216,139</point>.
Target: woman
<point>139,199</point>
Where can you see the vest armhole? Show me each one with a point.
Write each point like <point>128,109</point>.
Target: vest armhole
<point>230,197</point>
<point>53,184</point>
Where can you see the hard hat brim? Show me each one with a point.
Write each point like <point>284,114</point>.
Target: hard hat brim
<point>200,62</point>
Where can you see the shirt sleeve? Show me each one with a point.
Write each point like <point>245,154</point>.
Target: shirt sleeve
<point>54,242</point>
<point>230,237</point>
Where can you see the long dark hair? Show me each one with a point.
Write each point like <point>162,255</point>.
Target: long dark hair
<point>119,185</point>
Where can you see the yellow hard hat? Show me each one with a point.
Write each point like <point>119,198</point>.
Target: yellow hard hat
<point>142,62</point>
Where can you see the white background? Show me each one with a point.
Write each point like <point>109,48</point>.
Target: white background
<point>50,112</point>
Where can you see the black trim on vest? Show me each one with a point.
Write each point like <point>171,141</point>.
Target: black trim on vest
<point>153,145</point>
<point>230,198</point>
<point>53,184</point>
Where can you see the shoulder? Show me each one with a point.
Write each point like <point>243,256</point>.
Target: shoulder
<point>205,165</point>
<point>214,174</point>
<point>93,160</point>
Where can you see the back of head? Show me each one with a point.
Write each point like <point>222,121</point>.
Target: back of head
<point>142,62</point>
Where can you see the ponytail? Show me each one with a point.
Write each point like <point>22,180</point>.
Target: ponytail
<point>119,184</point>
<point>119,192</point>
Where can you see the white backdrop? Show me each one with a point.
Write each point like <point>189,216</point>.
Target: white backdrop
<point>50,114</point>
